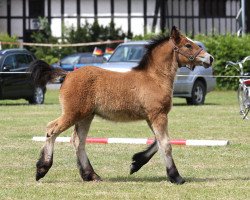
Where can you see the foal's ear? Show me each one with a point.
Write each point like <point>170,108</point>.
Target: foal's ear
<point>175,34</point>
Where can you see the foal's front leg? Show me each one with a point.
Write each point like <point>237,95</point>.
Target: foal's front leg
<point>142,158</point>
<point>79,139</point>
<point>159,126</point>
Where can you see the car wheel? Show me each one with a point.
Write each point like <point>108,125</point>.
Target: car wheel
<point>38,96</point>
<point>198,94</point>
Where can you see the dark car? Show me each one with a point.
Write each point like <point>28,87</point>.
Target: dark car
<point>15,81</point>
<point>77,60</point>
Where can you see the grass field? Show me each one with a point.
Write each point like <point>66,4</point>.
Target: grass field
<point>210,172</point>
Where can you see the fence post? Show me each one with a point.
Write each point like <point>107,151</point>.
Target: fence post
<point>20,45</point>
<point>247,5</point>
<point>243,17</point>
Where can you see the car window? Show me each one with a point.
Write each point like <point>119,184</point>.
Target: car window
<point>30,58</point>
<point>70,60</point>
<point>10,62</point>
<point>22,61</point>
<point>89,60</point>
<point>128,53</point>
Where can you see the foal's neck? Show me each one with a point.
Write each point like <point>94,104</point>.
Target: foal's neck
<point>163,65</point>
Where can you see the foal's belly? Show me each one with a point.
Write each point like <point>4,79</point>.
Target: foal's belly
<point>120,115</point>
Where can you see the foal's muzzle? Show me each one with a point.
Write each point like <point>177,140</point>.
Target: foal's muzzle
<point>206,60</point>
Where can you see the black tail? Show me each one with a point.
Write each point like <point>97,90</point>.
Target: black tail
<point>42,72</point>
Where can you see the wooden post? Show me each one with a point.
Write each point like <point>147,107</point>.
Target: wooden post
<point>162,15</point>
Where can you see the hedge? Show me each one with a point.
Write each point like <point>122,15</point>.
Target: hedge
<point>4,37</point>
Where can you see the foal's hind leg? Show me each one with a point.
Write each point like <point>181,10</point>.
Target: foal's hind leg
<point>79,139</point>
<point>59,125</point>
<point>53,129</point>
<point>159,126</point>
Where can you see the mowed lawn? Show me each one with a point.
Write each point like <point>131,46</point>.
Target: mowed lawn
<point>210,172</point>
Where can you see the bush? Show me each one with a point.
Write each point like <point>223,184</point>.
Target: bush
<point>44,35</point>
<point>94,33</point>
<point>86,33</point>
<point>6,38</point>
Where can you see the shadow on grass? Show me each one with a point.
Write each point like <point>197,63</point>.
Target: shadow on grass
<point>14,104</point>
<point>24,104</point>
<point>200,180</point>
<point>163,178</point>
<point>206,104</point>
<point>130,179</point>
<point>136,179</point>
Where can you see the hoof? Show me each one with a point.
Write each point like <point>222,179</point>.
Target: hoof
<point>134,167</point>
<point>41,169</point>
<point>138,160</point>
<point>92,177</point>
<point>40,173</point>
<point>177,180</point>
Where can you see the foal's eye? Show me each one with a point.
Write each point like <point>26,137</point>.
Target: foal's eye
<point>189,46</point>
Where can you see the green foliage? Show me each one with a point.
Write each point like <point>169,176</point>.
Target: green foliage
<point>6,38</point>
<point>44,35</point>
<point>86,33</point>
<point>78,36</point>
<point>226,48</point>
<point>93,33</point>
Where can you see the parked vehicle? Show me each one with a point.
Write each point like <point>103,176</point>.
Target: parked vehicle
<point>192,85</point>
<point>15,82</point>
<point>77,60</point>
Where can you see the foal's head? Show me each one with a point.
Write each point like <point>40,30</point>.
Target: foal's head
<point>183,50</point>
<point>187,52</point>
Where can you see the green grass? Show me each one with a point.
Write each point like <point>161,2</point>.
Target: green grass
<point>210,172</point>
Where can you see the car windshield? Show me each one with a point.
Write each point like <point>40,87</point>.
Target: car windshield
<point>128,53</point>
<point>70,60</point>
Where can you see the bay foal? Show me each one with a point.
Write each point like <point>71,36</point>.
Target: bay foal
<point>144,93</point>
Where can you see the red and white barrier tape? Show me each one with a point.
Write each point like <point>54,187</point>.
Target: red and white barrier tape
<point>141,141</point>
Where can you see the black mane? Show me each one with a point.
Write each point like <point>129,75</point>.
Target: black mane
<point>149,48</point>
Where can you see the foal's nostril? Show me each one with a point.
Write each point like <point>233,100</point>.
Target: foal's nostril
<point>211,59</point>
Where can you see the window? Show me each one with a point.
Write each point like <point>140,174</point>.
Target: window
<point>70,60</point>
<point>22,61</point>
<point>30,58</point>
<point>36,8</point>
<point>10,62</point>
<point>212,8</point>
<point>128,53</point>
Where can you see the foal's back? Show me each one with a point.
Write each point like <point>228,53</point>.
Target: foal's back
<point>112,95</point>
